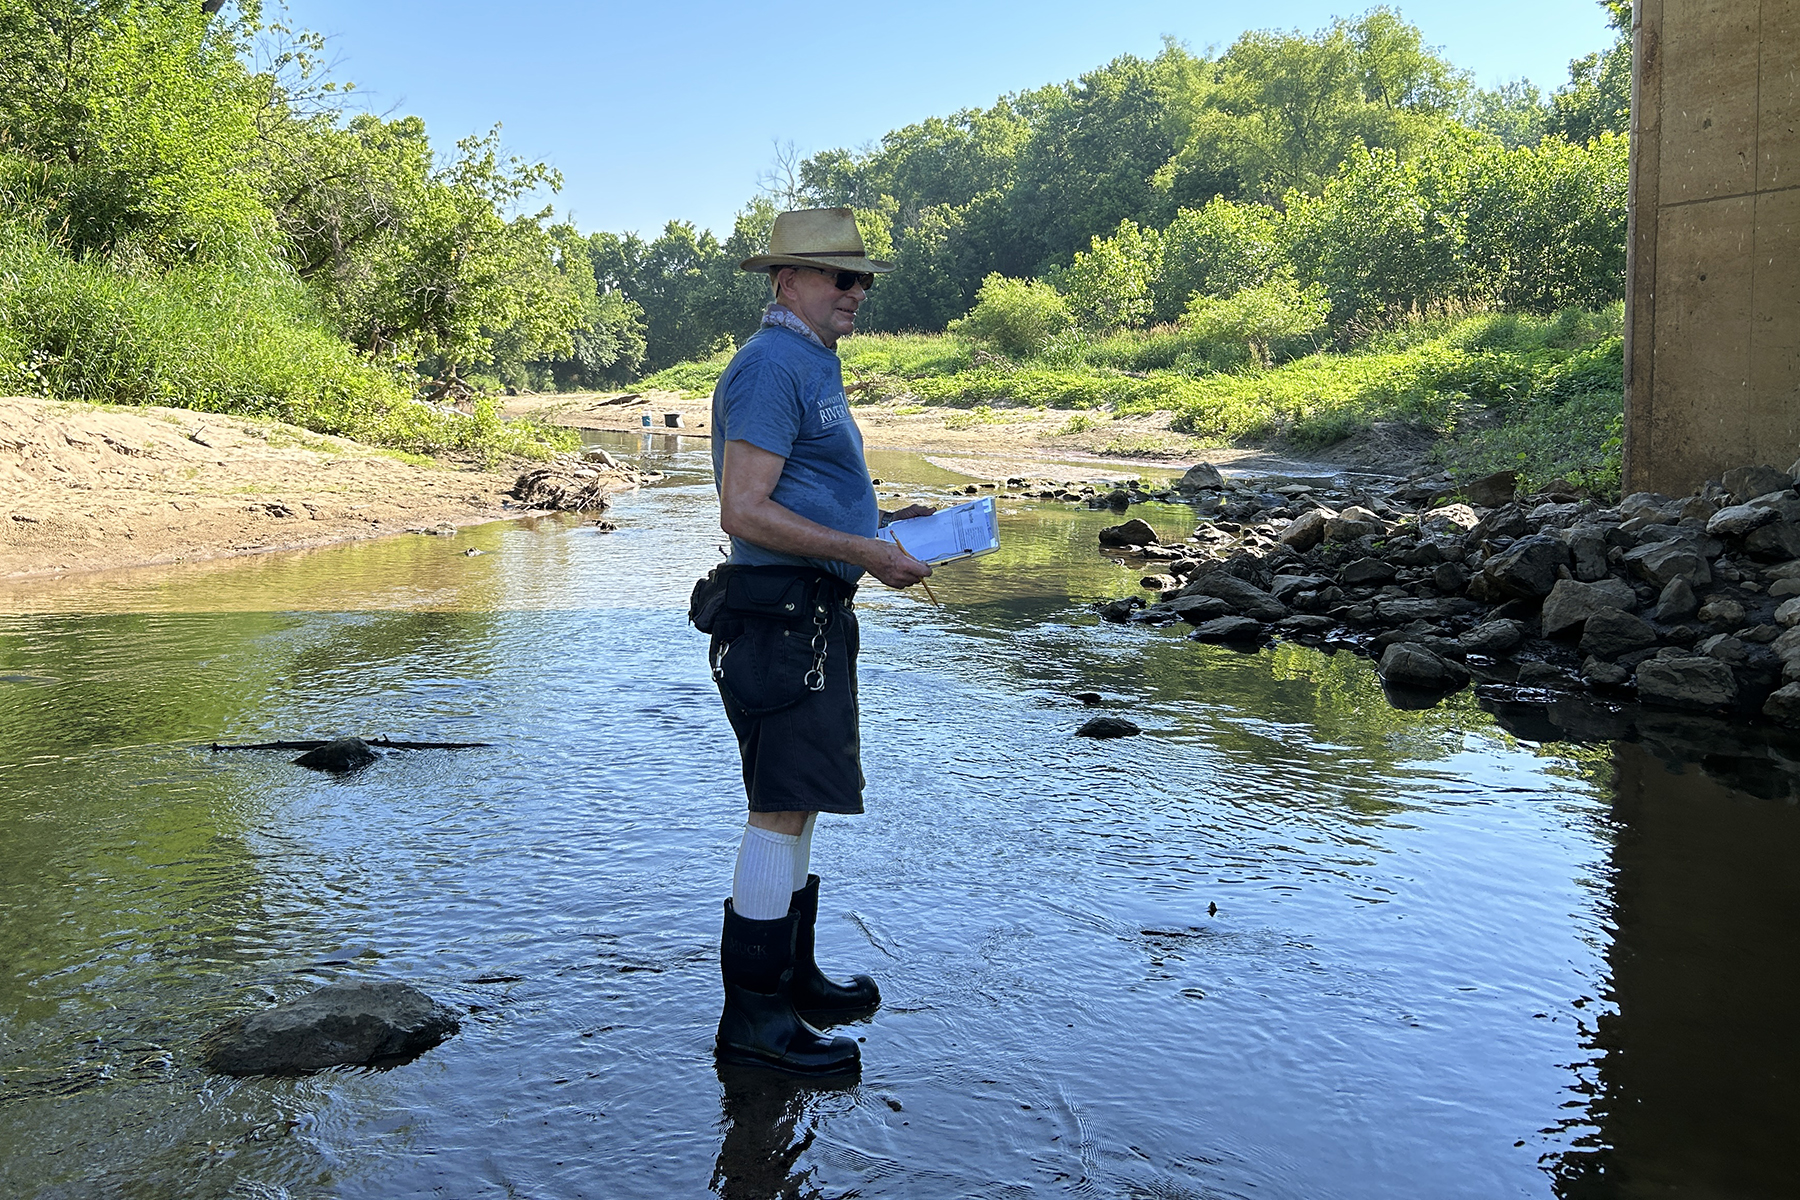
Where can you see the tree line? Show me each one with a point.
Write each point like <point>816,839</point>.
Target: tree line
<point>192,211</point>
<point>1355,159</point>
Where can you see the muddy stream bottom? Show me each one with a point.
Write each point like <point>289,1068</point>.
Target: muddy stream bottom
<point>1289,943</point>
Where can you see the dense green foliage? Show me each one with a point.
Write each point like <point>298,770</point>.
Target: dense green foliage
<point>1355,156</point>
<point>1539,394</point>
<point>1288,240</point>
<point>189,215</point>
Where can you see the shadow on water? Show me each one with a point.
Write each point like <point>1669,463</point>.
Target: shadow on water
<point>1292,942</point>
<point>1696,1079</point>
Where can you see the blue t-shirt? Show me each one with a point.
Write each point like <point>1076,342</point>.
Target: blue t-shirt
<point>784,394</point>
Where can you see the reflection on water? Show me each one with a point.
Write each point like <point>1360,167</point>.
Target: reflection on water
<point>1292,942</point>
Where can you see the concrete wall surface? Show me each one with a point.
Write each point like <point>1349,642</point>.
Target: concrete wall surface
<point>1712,341</point>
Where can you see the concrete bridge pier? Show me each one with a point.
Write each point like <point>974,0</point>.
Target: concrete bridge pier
<point>1712,321</point>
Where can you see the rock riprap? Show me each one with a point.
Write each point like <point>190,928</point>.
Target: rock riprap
<point>1688,603</point>
<point>341,1024</point>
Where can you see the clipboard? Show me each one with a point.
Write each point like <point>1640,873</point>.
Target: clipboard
<point>964,531</point>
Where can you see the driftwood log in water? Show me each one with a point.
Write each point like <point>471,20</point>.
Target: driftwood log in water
<point>382,742</point>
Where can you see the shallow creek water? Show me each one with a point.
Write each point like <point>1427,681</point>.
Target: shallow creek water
<point>1291,942</point>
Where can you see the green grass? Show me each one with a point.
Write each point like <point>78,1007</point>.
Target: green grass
<point>1542,395</point>
<point>218,339</point>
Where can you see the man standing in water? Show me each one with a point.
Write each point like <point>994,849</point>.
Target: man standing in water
<point>796,499</point>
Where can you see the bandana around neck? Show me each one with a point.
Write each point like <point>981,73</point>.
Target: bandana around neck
<point>776,314</point>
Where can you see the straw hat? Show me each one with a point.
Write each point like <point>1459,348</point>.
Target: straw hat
<point>816,237</point>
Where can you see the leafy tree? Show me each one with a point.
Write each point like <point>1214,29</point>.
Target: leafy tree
<point>1089,159</point>
<point>1597,98</point>
<point>1383,238</point>
<point>1108,284</point>
<point>1217,250</point>
<point>1514,112</point>
<point>1545,224</point>
<point>607,345</point>
<point>1019,316</point>
<point>135,116</point>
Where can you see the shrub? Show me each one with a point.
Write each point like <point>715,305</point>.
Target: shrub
<point>1018,316</point>
<point>218,339</point>
<point>1259,318</point>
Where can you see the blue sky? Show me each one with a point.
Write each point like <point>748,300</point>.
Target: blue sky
<point>659,111</point>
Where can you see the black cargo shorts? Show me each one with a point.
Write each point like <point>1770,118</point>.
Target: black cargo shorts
<point>783,653</point>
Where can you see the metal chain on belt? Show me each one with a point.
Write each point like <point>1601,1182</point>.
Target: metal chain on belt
<point>815,678</point>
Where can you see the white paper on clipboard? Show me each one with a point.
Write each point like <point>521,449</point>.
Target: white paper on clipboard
<point>965,531</point>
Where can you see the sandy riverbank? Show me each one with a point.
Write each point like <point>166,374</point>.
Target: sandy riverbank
<point>84,487</point>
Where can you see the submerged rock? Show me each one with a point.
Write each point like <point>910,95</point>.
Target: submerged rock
<point>344,754</point>
<point>1108,727</point>
<point>341,1024</point>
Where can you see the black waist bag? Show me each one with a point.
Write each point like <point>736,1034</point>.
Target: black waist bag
<point>769,627</point>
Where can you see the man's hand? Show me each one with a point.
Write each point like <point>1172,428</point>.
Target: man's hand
<point>892,565</point>
<point>907,513</point>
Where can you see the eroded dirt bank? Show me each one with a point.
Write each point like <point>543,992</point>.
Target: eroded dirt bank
<point>85,487</point>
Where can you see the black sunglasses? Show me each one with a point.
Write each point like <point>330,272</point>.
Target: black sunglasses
<point>847,279</point>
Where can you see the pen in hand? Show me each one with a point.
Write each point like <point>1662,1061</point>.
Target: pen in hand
<point>923,583</point>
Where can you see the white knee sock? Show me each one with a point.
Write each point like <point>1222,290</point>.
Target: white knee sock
<point>762,887</point>
<point>803,852</point>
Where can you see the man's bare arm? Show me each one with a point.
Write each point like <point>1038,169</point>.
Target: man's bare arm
<point>746,511</point>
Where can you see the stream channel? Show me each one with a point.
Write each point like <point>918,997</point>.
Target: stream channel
<point>1291,942</point>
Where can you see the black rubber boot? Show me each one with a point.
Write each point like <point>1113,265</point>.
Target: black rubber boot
<point>759,1026</point>
<point>817,998</point>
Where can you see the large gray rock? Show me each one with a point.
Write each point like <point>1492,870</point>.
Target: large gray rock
<point>1610,632</point>
<point>1571,602</point>
<point>1644,504</point>
<point>1493,638</point>
<point>1720,610</point>
<point>1286,587</point>
<point>1229,629</point>
<point>1366,571</point>
<point>1660,562</point>
<point>1135,532</point>
<point>1783,705</point>
<point>1491,491</point>
<point>1306,530</point>
<point>1194,609</point>
<point>1527,568</point>
<point>1201,477</point>
<point>1242,595</point>
<point>1352,523</point>
<point>1407,664</point>
<point>341,1024</point>
<point>1747,483</point>
<point>1587,546</point>
<point>1394,609</point>
<point>1785,504</point>
<point>1676,601</point>
<point>1776,540</point>
<point>1688,682</point>
<point>1453,520</point>
<point>1740,519</point>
